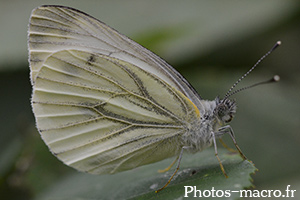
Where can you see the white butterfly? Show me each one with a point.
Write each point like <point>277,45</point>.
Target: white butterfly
<point>105,104</point>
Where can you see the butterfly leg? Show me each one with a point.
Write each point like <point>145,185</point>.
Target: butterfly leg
<point>228,129</point>
<point>227,147</point>
<point>216,154</point>
<point>168,168</point>
<point>177,168</point>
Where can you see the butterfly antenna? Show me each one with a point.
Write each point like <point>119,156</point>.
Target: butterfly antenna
<point>249,71</point>
<point>275,78</point>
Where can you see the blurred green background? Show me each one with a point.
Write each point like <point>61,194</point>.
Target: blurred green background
<point>212,43</point>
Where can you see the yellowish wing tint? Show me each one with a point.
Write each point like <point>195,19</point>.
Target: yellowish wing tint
<point>101,114</point>
<point>57,28</point>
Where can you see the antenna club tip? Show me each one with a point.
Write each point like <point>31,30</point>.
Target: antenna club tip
<point>276,78</point>
<point>277,44</point>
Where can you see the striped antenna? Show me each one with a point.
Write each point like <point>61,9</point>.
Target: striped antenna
<point>275,78</point>
<point>249,71</point>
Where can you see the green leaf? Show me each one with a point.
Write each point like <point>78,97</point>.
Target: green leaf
<point>201,170</point>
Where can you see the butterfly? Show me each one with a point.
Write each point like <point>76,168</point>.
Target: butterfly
<point>104,104</point>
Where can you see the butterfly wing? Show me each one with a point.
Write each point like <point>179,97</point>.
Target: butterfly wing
<point>102,103</point>
<point>54,28</point>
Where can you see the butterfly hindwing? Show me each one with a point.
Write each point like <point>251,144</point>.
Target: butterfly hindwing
<point>104,115</point>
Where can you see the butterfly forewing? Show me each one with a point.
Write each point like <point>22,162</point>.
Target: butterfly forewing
<point>55,28</point>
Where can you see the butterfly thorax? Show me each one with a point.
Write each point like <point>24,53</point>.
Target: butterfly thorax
<point>214,115</point>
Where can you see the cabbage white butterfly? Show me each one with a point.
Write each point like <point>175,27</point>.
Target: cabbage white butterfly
<point>105,104</point>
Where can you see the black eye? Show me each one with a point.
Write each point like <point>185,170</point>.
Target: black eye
<point>229,120</point>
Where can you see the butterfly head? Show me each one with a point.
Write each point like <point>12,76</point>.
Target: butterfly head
<point>225,109</point>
